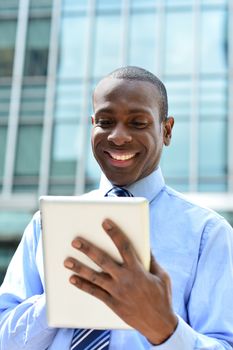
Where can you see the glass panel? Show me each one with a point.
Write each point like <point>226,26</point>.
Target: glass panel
<point>143,45</point>
<point>32,100</point>
<point>212,152</point>
<point>214,2</point>
<point>107,47</point>
<point>108,5</point>
<point>213,184</point>
<point>179,2</point>
<point>69,100</point>
<point>37,47</point>
<point>179,98</point>
<point>61,189</point>
<point>72,5</point>
<point>5,93</point>
<point>175,158</point>
<point>7,42</point>
<point>3,134</point>
<point>214,47</point>
<point>28,150</point>
<point>34,4</point>
<point>179,47</point>
<point>66,149</point>
<point>9,5</point>
<point>142,4</point>
<point>72,47</point>
<point>213,99</point>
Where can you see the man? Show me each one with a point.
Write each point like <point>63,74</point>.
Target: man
<point>184,302</point>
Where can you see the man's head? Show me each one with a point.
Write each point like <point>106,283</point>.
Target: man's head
<point>130,124</point>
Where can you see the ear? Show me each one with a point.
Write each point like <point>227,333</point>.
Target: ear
<point>92,120</point>
<point>167,130</point>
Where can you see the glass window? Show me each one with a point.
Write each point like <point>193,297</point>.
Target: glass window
<point>143,48</point>
<point>7,43</point>
<point>5,93</point>
<point>142,4</point>
<point>3,134</point>
<point>214,47</point>
<point>107,44</point>
<point>108,5</point>
<point>175,158</point>
<point>28,150</point>
<point>69,100</point>
<point>73,37</point>
<point>61,189</point>
<point>72,5</point>
<point>32,100</point>
<point>212,150</point>
<point>214,2</point>
<point>34,4</point>
<point>36,56</point>
<point>213,99</point>
<point>66,149</point>
<point>9,5</point>
<point>179,98</point>
<point>179,41</point>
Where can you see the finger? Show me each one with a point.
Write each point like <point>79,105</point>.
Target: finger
<point>121,241</point>
<point>91,289</point>
<point>99,278</point>
<point>102,259</point>
<point>157,270</point>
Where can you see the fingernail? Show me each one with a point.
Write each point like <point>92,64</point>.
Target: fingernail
<point>73,280</point>
<point>77,244</point>
<point>69,264</point>
<point>107,225</point>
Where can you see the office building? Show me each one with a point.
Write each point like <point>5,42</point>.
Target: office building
<point>52,53</point>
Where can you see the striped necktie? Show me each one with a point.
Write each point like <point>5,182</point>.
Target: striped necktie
<point>96,339</point>
<point>118,192</point>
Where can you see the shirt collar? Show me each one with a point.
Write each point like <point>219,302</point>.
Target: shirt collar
<point>148,187</point>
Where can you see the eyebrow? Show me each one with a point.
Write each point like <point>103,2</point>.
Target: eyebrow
<point>132,111</point>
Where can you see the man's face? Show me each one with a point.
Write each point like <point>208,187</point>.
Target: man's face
<point>127,135</point>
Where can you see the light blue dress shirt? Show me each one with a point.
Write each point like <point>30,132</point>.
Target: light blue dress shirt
<point>193,244</point>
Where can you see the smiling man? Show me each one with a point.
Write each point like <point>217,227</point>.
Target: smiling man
<point>184,301</point>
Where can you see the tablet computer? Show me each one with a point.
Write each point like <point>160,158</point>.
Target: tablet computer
<point>65,217</point>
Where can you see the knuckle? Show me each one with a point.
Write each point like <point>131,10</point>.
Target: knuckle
<point>103,260</point>
<point>92,290</point>
<point>78,268</point>
<point>93,277</point>
<point>125,247</point>
<point>165,277</point>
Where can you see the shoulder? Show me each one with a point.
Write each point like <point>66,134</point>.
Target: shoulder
<point>208,218</point>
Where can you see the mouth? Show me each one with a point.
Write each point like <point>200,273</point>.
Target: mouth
<point>120,158</point>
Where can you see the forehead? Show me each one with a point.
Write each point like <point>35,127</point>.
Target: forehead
<point>114,90</point>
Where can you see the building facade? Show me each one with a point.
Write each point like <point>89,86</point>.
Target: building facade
<point>53,52</point>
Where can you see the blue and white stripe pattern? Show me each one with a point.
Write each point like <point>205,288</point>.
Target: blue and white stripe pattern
<point>118,192</point>
<point>90,339</point>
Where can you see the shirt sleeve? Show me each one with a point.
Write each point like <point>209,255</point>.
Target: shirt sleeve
<point>23,321</point>
<point>210,304</point>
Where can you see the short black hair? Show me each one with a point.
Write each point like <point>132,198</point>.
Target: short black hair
<point>141,74</point>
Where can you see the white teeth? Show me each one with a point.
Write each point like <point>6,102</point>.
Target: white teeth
<point>122,157</point>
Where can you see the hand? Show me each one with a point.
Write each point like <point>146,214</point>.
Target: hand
<point>141,298</point>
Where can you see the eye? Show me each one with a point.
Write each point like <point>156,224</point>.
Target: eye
<point>104,122</point>
<point>139,124</point>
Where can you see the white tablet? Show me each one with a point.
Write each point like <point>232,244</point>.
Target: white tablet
<point>63,219</point>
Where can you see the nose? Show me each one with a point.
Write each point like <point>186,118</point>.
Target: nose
<point>119,135</point>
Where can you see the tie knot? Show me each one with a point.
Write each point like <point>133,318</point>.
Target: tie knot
<point>118,192</point>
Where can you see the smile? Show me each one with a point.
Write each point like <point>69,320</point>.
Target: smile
<point>122,157</point>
